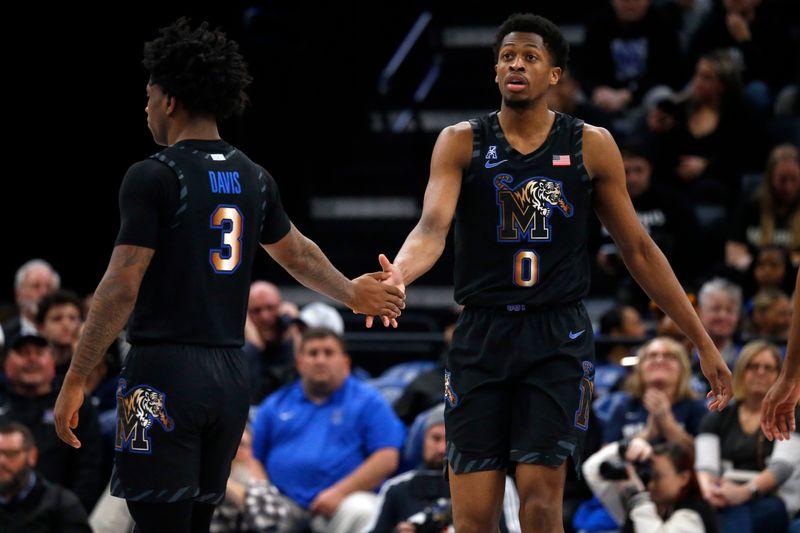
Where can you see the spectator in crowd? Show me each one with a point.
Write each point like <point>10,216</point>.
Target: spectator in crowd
<point>403,500</point>
<point>60,318</point>
<point>719,307</point>
<point>655,129</point>
<point>247,496</point>
<point>714,132</point>
<point>667,219</point>
<point>315,315</point>
<point>32,282</point>
<point>624,322</point>
<point>660,404</point>
<point>426,389</point>
<point>268,351</point>
<point>326,440</point>
<point>29,398</point>
<point>741,472</point>
<point>629,49</point>
<point>760,34</point>
<point>567,97</point>
<point>28,502</point>
<point>771,315</point>
<point>772,215</point>
<point>669,502</point>
<point>771,269</point>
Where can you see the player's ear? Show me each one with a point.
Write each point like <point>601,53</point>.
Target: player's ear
<point>172,104</point>
<point>555,75</point>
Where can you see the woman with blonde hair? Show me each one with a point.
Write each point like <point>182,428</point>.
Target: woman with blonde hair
<point>771,216</point>
<point>749,479</point>
<point>659,403</point>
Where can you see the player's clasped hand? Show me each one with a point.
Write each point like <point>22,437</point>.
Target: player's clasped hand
<point>372,297</point>
<point>778,409</point>
<point>395,278</point>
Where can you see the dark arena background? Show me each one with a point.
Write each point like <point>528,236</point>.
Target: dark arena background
<point>347,101</point>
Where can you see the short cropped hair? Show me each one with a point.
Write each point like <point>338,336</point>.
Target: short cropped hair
<point>554,40</point>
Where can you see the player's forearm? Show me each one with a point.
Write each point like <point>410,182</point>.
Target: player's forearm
<point>791,365</point>
<point>112,305</point>
<point>371,472</point>
<point>652,271</point>
<point>422,248</point>
<point>308,265</point>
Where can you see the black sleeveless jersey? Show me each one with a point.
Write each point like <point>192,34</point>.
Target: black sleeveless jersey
<point>196,288</point>
<point>521,222</point>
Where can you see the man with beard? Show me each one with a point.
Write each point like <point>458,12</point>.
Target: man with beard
<point>29,503</point>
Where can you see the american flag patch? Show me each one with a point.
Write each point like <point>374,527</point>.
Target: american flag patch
<point>561,161</point>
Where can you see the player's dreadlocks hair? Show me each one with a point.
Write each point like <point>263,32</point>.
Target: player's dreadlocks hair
<point>199,67</point>
<point>553,39</point>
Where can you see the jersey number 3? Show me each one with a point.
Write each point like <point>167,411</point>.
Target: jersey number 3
<point>226,258</point>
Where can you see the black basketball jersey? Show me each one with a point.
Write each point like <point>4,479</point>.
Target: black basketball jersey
<point>196,288</point>
<point>521,222</point>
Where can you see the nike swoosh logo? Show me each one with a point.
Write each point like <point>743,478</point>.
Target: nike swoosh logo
<point>492,165</point>
<point>577,334</point>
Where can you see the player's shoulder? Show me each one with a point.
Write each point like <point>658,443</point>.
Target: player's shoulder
<point>455,144</point>
<point>455,133</point>
<point>596,134</point>
<point>148,170</point>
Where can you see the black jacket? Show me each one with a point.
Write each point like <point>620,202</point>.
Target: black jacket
<point>48,508</point>
<point>79,470</point>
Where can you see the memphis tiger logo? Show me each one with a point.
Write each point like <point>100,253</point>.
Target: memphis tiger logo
<point>449,394</point>
<point>137,409</point>
<point>526,209</point>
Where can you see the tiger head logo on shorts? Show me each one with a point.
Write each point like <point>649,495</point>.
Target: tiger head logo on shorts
<point>449,393</point>
<point>136,411</point>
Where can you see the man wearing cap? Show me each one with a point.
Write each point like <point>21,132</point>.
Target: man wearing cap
<point>29,397</point>
<point>327,440</point>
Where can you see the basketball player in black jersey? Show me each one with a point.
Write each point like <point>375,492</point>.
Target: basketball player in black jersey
<point>193,216</point>
<point>521,184</point>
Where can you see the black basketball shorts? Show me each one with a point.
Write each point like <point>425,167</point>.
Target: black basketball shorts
<point>181,411</point>
<point>518,387</point>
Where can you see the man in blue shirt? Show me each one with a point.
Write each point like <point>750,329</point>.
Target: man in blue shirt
<point>327,439</point>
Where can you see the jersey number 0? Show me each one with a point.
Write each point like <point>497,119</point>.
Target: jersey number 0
<point>526,268</point>
<point>226,258</point>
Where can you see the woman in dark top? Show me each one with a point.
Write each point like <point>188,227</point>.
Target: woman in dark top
<point>739,470</point>
<point>712,135</point>
<point>772,215</point>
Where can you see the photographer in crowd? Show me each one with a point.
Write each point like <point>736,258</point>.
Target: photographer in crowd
<point>419,501</point>
<point>649,489</point>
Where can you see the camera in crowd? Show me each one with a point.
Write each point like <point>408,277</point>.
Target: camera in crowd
<point>431,487</point>
<point>614,469</point>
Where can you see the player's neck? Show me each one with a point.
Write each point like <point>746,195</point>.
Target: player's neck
<point>526,121</point>
<point>199,128</point>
